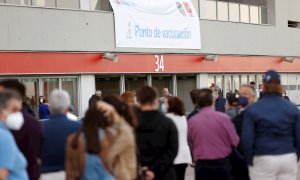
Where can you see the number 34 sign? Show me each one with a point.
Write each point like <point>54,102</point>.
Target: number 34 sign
<point>159,63</point>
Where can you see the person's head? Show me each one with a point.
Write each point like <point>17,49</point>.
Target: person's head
<point>248,92</point>
<point>93,100</point>
<point>10,107</point>
<point>98,93</point>
<point>122,108</point>
<point>205,98</point>
<point>129,98</point>
<point>233,100</point>
<point>194,94</point>
<point>59,102</point>
<point>272,83</point>
<point>148,98</point>
<point>175,105</point>
<point>260,87</point>
<point>45,100</point>
<point>14,85</point>
<point>253,84</point>
<point>165,92</point>
<point>93,120</point>
<point>216,91</point>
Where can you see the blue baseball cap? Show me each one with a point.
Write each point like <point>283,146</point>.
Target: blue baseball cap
<point>271,76</point>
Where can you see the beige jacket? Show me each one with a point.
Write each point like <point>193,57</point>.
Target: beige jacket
<point>119,151</point>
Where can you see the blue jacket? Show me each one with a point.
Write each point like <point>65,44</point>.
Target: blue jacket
<point>56,131</point>
<point>271,127</point>
<point>44,111</point>
<point>220,104</point>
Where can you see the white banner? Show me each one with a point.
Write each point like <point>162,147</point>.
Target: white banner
<point>156,24</point>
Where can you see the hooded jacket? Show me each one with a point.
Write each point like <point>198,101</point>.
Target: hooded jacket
<point>157,141</point>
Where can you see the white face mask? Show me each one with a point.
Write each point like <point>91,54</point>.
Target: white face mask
<point>15,121</point>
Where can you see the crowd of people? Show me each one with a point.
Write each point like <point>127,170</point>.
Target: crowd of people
<point>141,136</point>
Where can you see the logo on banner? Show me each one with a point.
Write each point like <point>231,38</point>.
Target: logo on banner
<point>188,9</point>
<point>129,32</point>
<point>180,8</point>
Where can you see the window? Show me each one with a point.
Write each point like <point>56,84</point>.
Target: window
<point>244,13</point>
<point>211,80</point>
<point>211,10</point>
<point>244,79</point>
<point>49,85</point>
<point>44,3</point>
<point>103,5</point>
<point>234,12</point>
<point>22,2</point>
<point>71,86</point>
<point>73,4</point>
<point>135,82</point>
<point>2,1</point>
<point>161,82</point>
<point>228,84</point>
<point>236,83</point>
<point>31,97</point>
<point>263,12</point>
<point>222,11</point>
<point>108,85</point>
<point>254,15</point>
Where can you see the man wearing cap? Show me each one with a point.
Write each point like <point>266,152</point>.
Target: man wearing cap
<point>234,108</point>
<point>271,134</point>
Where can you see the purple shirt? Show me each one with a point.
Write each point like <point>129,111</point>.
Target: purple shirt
<point>211,135</point>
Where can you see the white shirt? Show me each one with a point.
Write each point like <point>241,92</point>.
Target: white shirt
<point>184,154</point>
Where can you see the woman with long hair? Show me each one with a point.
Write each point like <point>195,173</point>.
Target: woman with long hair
<point>84,149</point>
<point>120,149</point>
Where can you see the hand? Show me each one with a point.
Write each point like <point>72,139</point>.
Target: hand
<point>108,110</point>
<point>149,174</point>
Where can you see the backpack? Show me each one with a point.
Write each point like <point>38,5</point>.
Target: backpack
<point>94,168</point>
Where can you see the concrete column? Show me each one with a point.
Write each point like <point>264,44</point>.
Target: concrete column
<point>87,87</point>
<point>149,80</point>
<point>174,83</point>
<point>122,84</point>
<point>201,81</point>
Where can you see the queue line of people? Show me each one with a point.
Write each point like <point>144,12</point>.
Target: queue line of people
<point>128,137</point>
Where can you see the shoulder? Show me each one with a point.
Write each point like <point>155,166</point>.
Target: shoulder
<point>6,138</point>
<point>221,115</point>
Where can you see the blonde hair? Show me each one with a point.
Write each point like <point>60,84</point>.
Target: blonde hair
<point>128,97</point>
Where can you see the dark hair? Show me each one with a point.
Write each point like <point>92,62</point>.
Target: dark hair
<point>6,96</point>
<point>205,98</point>
<point>45,100</point>
<point>122,108</point>
<point>128,97</point>
<point>93,120</point>
<point>273,88</point>
<point>147,95</point>
<point>15,85</point>
<point>93,100</point>
<point>194,94</point>
<point>252,83</point>
<point>176,106</point>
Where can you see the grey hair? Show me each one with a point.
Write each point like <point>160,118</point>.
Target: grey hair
<point>253,91</point>
<point>59,102</point>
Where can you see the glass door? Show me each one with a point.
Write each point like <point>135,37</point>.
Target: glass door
<point>32,94</point>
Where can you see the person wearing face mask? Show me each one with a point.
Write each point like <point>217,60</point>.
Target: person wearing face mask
<point>29,137</point>
<point>246,97</point>
<point>12,162</point>
<point>220,102</point>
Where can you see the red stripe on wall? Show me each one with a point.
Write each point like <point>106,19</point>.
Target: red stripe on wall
<point>59,63</point>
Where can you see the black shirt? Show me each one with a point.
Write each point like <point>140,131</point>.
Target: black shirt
<point>157,142</point>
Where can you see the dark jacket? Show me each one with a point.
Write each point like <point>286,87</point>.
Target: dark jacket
<point>238,122</point>
<point>56,131</point>
<point>29,141</point>
<point>220,104</point>
<point>271,127</point>
<point>44,111</point>
<point>157,142</point>
<point>193,113</point>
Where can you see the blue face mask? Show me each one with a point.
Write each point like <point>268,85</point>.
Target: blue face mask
<point>163,108</point>
<point>243,101</point>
